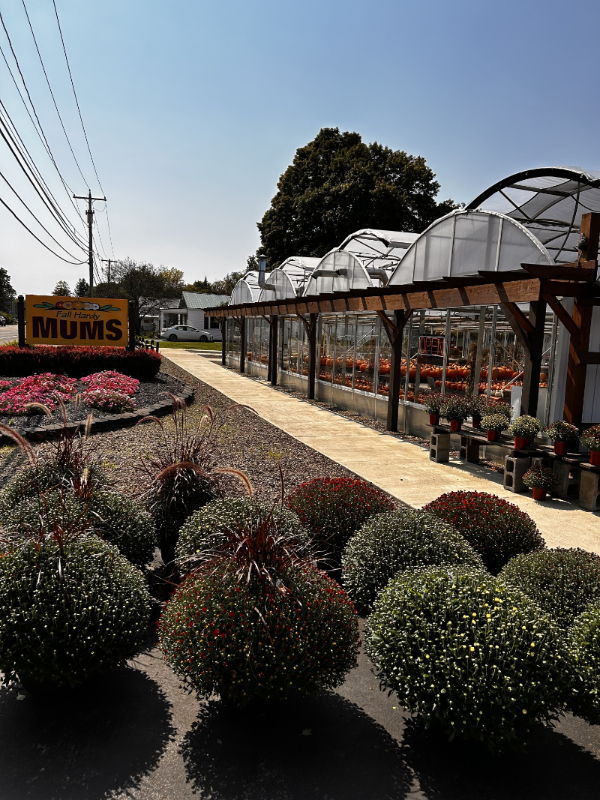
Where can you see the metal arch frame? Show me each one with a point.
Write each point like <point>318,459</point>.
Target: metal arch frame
<point>351,255</point>
<point>538,172</point>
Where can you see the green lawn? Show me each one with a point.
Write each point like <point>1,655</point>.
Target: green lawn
<point>191,345</point>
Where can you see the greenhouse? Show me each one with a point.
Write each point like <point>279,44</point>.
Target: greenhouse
<point>499,298</point>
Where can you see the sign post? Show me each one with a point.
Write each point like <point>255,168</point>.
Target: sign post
<point>95,321</point>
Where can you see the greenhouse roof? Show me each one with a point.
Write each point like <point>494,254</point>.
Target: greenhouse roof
<point>549,202</point>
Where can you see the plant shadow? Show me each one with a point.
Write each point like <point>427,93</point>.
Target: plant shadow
<point>321,747</point>
<point>82,743</point>
<point>552,767</point>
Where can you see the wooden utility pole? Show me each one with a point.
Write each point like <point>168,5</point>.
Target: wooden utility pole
<point>109,262</point>
<point>90,218</point>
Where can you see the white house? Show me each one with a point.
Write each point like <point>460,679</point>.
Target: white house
<point>190,312</point>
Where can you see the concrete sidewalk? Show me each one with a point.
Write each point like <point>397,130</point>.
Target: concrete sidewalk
<point>401,468</point>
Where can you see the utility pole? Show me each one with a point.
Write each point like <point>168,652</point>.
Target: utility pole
<point>90,218</point>
<point>109,262</point>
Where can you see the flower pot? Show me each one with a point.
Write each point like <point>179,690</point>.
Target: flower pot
<point>538,492</point>
<point>434,419</point>
<point>560,448</point>
<point>521,442</point>
<point>455,424</point>
<point>493,436</point>
<point>595,458</point>
<point>476,420</point>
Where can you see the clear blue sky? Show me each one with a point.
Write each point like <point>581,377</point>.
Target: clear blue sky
<point>195,108</point>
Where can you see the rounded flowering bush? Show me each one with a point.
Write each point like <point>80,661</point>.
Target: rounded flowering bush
<point>496,529</point>
<point>466,652</point>
<point>205,531</point>
<point>70,606</point>
<point>562,582</point>
<point>584,650</point>
<point>112,381</point>
<point>332,509</point>
<point>399,540</point>
<point>259,622</point>
<point>107,400</point>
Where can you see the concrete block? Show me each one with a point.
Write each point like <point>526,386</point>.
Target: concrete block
<point>514,469</point>
<point>439,448</point>
<point>589,491</point>
<point>568,480</point>
<point>469,450</point>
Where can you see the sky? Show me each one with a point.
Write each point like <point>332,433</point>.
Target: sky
<point>193,109</point>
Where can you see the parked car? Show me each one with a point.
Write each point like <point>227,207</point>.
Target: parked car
<point>2,321</point>
<point>186,333</point>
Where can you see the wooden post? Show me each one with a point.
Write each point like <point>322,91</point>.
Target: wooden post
<point>21,320</point>
<point>533,359</point>
<point>242,324</point>
<point>223,341</point>
<point>582,318</point>
<point>312,355</point>
<point>131,315</point>
<point>395,331</point>
<point>274,349</point>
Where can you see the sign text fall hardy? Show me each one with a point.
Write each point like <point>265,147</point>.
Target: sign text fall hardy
<point>94,321</point>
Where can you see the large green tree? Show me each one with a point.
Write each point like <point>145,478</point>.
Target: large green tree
<point>337,184</point>
<point>7,293</point>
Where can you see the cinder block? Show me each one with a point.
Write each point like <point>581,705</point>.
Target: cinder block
<point>568,480</point>
<point>469,450</point>
<point>439,448</point>
<point>514,469</point>
<point>589,492</point>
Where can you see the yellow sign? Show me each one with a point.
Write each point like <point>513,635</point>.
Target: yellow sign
<point>96,321</point>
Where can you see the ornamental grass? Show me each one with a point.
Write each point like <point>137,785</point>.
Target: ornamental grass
<point>258,621</point>
<point>396,541</point>
<point>468,653</point>
<point>332,509</point>
<point>563,582</point>
<point>496,529</point>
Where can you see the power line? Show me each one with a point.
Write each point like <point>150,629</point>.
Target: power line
<point>75,96</point>
<point>52,95</point>
<point>37,237</point>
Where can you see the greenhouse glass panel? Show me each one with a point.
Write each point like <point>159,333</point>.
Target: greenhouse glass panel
<point>366,351</point>
<point>327,349</point>
<point>344,350</point>
<point>475,244</point>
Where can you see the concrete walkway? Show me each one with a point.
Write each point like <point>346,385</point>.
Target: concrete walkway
<point>401,468</point>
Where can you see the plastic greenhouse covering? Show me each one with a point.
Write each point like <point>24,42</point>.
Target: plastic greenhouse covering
<point>289,279</point>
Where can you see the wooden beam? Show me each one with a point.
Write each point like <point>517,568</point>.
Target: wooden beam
<point>567,289</point>
<point>523,321</point>
<point>312,356</point>
<point>513,321</point>
<point>589,358</point>
<point>562,271</point>
<point>274,350</point>
<point>533,362</point>
<point>243,346</point>
<point>561,313</point>
<point>395,332</point>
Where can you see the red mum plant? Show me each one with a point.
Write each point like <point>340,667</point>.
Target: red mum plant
<point>496,529</point>
<point>333,509</point>
<point>258,621</point>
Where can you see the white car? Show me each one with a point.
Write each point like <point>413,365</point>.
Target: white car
<point>185,333</point>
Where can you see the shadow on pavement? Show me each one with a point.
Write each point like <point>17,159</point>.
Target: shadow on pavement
<point>322,748</point>
<point>83,743</point>
<point>551,768</point>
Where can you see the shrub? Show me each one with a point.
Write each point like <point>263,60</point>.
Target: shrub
<point>111,381</point>
<point>590,438</point>
<point>468,653</point>
<point>540,477</point>
<point>494,422</point>
<point>433,402</point>
<point>332,509</point>
<point>43,389</point>
<point>496,529</point>
<point>562,582</point>
<point>561,431</point>
<point>493,405</point>
<point>204,532</point>
<point>109,401</point>
<point>455,407</point>
<point>68,609</point>
<point>584,650</point>
<point>79,361</point>
<point>525,426</point>
<point>396,541</point>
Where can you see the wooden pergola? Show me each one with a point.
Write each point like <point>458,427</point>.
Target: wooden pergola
<point>540,286</point>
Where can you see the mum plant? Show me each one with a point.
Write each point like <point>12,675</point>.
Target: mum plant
<point>332,509</point>
<point>496,529</point>
<point>455,407</point>
<point>494,422</point>
<point>563,582</point>
<point>468,653</point>
<point>590,438</point>
<point>46,389</point>
<point>563,434</point>
<point>584,651</point>
<point>525,427</point>
<point>396,541</point>
<point>258,621</point>
<point>108,400</point>
<point>542,479</point>
<point>112,381</point>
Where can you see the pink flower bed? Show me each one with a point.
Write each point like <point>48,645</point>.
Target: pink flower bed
<point>110,401</point>
<point>5,385</point>
<point>44,389</point>
<point>111,381</point>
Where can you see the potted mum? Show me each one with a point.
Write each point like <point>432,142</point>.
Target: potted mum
<point>590,438</point>
<point>494,424</point>
<point>455,409</point>
<point>433,404</point>
<point>563,434</point>
<point>477,408</point>
<point>525,429</point>
<point>540,480</point>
